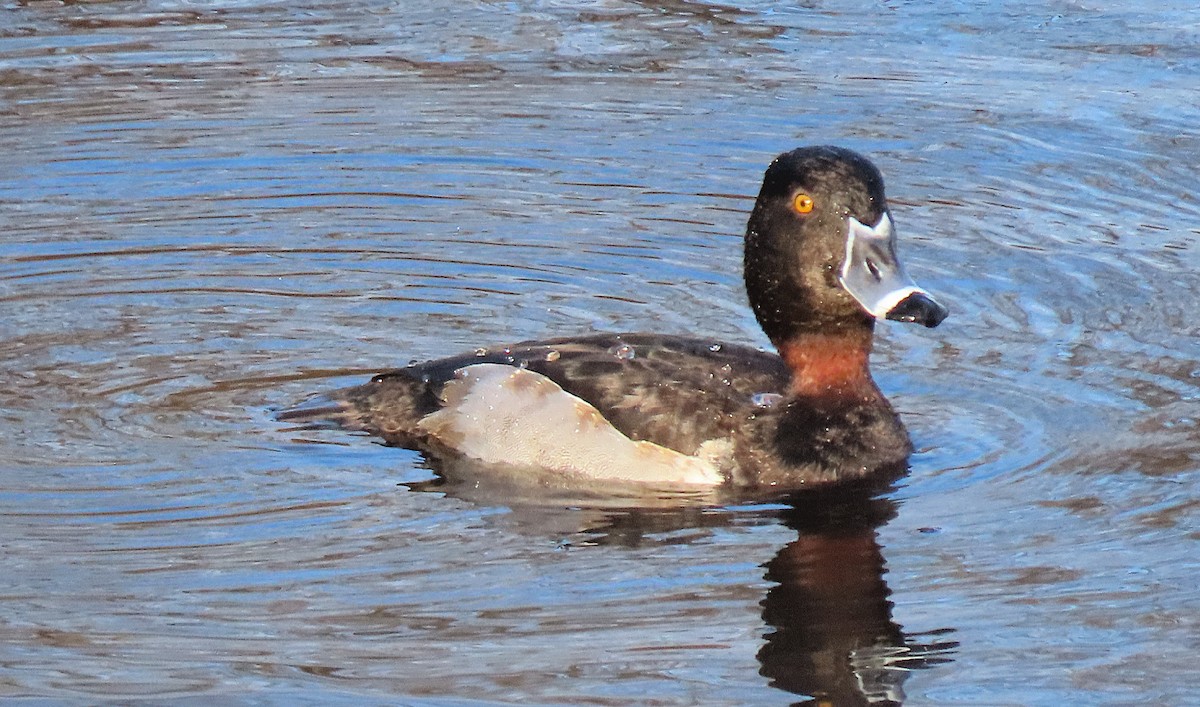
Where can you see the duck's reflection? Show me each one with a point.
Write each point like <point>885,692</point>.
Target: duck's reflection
<point>831,634</point>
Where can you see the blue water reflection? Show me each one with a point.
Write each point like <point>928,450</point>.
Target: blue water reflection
<point>211,209</point>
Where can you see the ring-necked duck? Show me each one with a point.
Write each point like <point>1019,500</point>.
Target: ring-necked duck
<point>820,267</point>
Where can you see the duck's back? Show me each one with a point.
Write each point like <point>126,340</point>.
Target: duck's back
<point>673,391</point>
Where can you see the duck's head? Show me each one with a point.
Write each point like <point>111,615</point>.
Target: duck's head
<point>820,253</point>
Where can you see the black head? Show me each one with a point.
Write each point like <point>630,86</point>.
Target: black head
<point>819,254</point>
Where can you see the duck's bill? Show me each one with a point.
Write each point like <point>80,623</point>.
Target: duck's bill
<point>874,277</point>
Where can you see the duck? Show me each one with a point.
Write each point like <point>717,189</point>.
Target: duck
<point>820,268</point>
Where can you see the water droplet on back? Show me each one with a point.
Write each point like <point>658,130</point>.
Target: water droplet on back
<point>765,400</point>
<point>481,352</point>
<point>552,355</point>
<point>624,352</point>
<point>714,348</point>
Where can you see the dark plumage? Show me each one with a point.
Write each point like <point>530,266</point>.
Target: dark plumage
<point>809,416</point>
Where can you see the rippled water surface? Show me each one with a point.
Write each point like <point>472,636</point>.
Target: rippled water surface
<point>211,209</point>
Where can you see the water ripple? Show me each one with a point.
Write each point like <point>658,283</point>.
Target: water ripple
<point>210,211</point>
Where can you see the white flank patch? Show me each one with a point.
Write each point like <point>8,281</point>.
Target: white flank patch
<point>506,415</point>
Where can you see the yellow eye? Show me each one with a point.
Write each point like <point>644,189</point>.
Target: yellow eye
<point>803,203</point>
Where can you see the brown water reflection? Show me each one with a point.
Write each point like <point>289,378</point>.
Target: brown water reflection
<point>833,636</point>
<point>830,633</point>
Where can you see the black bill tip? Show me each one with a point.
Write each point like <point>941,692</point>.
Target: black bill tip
<point>919,308</point>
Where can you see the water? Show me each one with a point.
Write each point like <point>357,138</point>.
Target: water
<point>210,210</point>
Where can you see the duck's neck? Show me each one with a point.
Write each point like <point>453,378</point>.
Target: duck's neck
<point>830,366</point>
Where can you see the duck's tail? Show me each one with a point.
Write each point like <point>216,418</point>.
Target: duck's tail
<point>389,406</point>
<point>325,411</point>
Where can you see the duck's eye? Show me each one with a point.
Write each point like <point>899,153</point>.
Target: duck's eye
<point>803,203</point>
